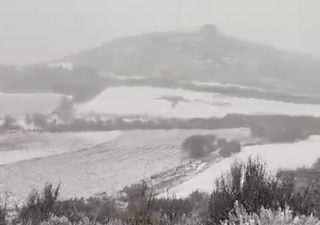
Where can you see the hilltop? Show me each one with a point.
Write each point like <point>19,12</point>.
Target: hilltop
<point>203,60</point>
<point>204,55</point>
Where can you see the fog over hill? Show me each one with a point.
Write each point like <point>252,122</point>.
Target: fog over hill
<point>83,83</point>
<point>206,55</point>
<point>169,59</point>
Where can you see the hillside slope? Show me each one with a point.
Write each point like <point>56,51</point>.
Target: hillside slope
<point>205,55</point>
<point>175,59</point>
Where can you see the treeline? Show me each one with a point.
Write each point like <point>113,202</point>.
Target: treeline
<point>272,128</point>
<point>83,83</point>
<point>248,192</point>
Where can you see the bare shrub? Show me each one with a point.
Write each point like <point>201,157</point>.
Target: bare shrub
<point>39,206</point>
<point>3,212</point>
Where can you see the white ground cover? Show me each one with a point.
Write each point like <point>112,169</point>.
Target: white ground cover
<point>160,102</point>
<point>23,146</point>
<point>277,156</point>
<point>107,167</point>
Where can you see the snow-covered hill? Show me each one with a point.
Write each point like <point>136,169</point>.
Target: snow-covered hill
<point>204,55</point>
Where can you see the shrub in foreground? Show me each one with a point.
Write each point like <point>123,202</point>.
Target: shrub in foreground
<point>101,210</point>
<point>250,185</point>
<point>39,206</point>
<point>54,220</point>
<point>264,199</point>
<point>3,212</point>
<point>268,217</point>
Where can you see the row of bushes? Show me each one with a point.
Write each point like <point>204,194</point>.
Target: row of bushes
<point>137,205</point>
<point>273,128</point>
<point>198,146</point>
<point>259,197</point>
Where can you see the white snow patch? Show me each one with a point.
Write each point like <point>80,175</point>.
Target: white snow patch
<point>24,146</point>
<point>149,101</point>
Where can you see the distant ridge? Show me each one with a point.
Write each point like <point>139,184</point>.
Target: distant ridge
<point>204,55</point>
<point>168,59</point>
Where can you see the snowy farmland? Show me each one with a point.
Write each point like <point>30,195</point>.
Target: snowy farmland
<point>277,156</point>
<point>107,162</point>
<point>155,102</point>
<point>178,103</point>
<point>23,146</point>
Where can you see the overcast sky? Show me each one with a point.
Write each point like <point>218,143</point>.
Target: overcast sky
<point>39,30</point>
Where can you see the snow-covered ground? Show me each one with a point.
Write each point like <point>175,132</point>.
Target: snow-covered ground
<point>106,167</point>
<point>178,103</point>
<point>158,102</point>
<point>25,146</point>
<point>277,156</point>
<point>21,104</point>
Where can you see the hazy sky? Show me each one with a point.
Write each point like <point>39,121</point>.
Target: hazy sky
<point>38,30</point>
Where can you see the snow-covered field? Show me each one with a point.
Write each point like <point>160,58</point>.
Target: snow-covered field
<point>151,101</point>
<point>21,104</point>
<point>180,103</point>
<point>277,156</point>
<point>107,167</point>
<point>23,146</point>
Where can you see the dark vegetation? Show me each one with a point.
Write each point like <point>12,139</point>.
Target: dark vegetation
<point>304,176</point>
<point>83,83</point>
<point>247,183</point>
<point>39,206</point>
<point>270,128</point>
<point>198,146</point>
<point>4,211</point>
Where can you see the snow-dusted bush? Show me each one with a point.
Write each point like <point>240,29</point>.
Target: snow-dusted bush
<point>39,206</point>
<point>54,220</point>
<point>3,212</point>
<point>268,217</point>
